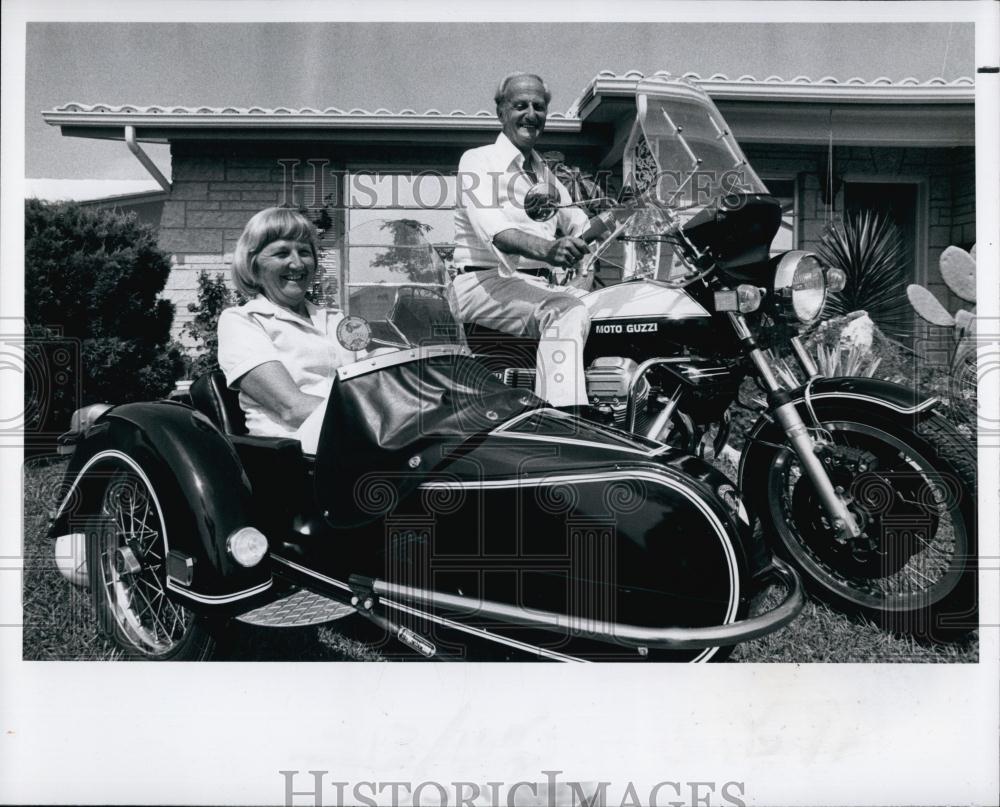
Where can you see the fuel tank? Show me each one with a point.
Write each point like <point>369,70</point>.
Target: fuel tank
<point>644,318</point>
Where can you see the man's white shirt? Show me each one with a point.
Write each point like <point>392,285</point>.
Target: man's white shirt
<point>492,183</point>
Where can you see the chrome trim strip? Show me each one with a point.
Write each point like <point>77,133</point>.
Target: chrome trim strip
<point>654,316</point>
<point>506,430</point>
<point>508,424</point>
<point>482,633</point>
<point>218,599</point>
<point>365,366</point>
<point>903,410</point>
<point>571,442</point>
<point>86,467</point>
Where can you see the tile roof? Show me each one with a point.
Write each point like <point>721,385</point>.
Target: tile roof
<point>81,118</point>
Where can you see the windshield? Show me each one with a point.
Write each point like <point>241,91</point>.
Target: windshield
<point>681,147</point>
<point>395,290</point>
<point>680,157</point>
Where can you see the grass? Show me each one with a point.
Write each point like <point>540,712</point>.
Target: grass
<point>59,620</point>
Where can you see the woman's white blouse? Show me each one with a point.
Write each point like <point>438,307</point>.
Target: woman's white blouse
<point>260,331</point>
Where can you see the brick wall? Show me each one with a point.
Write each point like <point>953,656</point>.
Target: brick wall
<point>950,182</point>
<point>215,190</point>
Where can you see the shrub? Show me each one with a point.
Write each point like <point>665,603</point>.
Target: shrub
<point>869,248</point>
<point>95,276</point>
<point>214,296</point>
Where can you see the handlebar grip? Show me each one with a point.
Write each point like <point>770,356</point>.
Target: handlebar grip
<point>598,228</point>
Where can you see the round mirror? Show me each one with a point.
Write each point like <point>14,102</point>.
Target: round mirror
<point>541,201</point>
<point>354,333</point>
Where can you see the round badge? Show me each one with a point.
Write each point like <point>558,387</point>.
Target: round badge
<point>354,333</point>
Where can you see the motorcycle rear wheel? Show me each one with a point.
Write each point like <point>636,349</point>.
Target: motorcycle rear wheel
<point>913,570</point>
<point>127,567</point>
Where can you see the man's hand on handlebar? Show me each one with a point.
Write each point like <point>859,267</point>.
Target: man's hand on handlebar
<point>566,251</point>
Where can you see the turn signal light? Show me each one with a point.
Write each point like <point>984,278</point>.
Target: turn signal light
<point>836,279</point>
<point>744,298</point>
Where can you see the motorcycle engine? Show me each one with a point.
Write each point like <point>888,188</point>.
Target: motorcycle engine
<point>608,380</point>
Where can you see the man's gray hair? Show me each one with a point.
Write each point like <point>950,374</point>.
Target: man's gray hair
<point>501,92</point>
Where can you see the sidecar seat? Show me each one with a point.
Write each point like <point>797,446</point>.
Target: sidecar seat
<point>221,405</point>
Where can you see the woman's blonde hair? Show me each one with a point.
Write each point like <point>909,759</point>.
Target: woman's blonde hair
<point>270,224</point>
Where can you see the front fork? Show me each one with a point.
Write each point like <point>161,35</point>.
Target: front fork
<point>785,412</point>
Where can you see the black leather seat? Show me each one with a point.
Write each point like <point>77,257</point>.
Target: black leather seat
<point>221,405</point>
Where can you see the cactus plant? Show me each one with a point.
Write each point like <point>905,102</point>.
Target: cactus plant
<point>958,269</point>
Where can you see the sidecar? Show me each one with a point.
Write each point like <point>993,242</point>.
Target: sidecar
<point>462,516</point>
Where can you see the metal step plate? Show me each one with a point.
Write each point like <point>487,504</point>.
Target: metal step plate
<point>297,610</point>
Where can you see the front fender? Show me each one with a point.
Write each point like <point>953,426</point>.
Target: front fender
<point>884,399</point>
<point>197,479</point>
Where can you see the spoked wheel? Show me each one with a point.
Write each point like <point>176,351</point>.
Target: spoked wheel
<point>964,389</point>
<point>913,567</point>
<point>128,578</point>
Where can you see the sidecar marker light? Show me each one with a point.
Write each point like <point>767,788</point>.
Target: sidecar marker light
<point>247,546</point>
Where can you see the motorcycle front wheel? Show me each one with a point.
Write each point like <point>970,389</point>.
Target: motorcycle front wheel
<point>127,567</point>
<point>913,494</point>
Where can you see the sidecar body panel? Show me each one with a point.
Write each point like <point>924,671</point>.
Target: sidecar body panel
<point>552,514</point>
<point>199,483</point>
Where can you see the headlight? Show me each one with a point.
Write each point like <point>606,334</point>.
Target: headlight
<point>800,284</point>
<point>247,546</point>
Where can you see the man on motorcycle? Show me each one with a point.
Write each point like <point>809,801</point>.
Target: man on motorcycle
<point>505,258</point>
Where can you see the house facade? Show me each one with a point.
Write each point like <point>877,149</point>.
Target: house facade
<point>822,146</point>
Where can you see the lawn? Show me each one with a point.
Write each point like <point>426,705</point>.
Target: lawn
<point>59,618</point>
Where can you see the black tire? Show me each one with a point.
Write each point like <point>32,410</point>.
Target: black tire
<point>914,569</point>
<point>127,568</point>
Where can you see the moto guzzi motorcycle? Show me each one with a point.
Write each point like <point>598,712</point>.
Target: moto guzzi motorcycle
<point>462,516</point>
<point>865,486</point>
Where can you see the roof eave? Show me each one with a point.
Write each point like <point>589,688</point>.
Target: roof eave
<point>319,121</point>
<point>792,91</point>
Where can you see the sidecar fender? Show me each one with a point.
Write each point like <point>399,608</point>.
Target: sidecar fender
<point>884,399</point>
<point>198,481</point>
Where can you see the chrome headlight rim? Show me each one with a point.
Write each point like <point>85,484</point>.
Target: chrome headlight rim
<point>785,292</point>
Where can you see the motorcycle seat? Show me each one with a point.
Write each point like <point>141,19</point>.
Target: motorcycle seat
<point>500,350</point>
<point>221,405</point>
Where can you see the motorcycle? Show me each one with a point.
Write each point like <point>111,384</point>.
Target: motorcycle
<point>461,516</point>
<point>864,486</point>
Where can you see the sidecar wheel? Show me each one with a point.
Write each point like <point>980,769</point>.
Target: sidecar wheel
<point>127,567</point>
<point>913,569</point>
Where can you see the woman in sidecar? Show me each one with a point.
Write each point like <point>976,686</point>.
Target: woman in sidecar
<point>452,510</point>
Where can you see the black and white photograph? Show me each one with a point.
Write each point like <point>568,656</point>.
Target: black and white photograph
<point>639,361</point>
